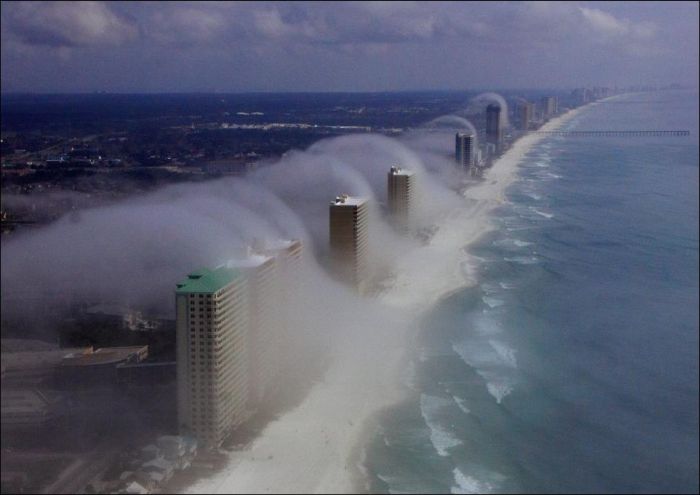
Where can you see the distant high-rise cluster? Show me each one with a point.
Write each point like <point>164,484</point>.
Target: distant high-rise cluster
<point>400,186</point>
<point>229,336</point>
<point>582,96</point>
<point>348,226</point>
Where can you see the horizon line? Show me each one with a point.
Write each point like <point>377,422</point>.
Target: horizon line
<point>466,90</point>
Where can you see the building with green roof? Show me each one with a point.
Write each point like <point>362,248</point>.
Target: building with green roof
<point>212,353</point>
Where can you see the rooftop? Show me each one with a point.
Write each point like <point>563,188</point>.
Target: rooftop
<point>104,355</point>
<point>250,261</point>
<point>279,243</point>
<point>206,281</point>
<point>346,200</point>
<point>399,171</point>
<point>38,359</point>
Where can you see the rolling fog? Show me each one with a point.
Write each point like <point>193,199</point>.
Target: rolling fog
<point>132,253</point>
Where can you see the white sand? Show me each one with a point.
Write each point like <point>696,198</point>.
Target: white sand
<point>314,448</point>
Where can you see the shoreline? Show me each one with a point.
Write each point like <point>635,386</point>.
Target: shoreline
<point>318,447</point>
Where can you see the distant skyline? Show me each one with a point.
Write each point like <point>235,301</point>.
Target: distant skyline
<point>143,47</point>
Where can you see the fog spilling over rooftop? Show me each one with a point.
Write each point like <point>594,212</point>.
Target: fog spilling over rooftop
<point>481,101</point>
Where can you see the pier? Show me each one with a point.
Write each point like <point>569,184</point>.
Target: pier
<point>642,133</point>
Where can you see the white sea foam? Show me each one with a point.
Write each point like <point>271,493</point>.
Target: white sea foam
<point>390,480</point>
<point>490,288</point>
<point>478,354</point>
<point>492,364</point>
<point>499,390</point>
<point>467,484</point>
<point>523,260</point>
<point>511,242</point>
<point>493,311</point>
<point>461,403</point>
<point>507,353</point>
<point>534,196</point>
<point>483,260</point>
<point>507,285</point>
<point>441,438</point>
<point>486,326</point>
<point>492,302</point>
<point>542,213</point>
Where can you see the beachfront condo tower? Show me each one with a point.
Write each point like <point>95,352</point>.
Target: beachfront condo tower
<point>465,150</point>
<point>400,185</point>
<point>262,338</point>
<point>348,239</point>
<point>288,256</point>
<point>549,107</point>
<point>526,112</point>
<point>494,130</point>
<point>212,353</point>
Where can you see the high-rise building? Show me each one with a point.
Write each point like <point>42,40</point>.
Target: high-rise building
<point>465,150</point>
<point>549,107</point>
<point>212,353</point>
<point>288,256</point>
<point>289,259</point>
<point>348,239</point>
<point>494,130</point>
<point>400,185</point>
<point>262,336</point>
<point>526,112</point>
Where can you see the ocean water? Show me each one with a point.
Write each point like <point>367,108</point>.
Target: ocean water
<point>573,365</point>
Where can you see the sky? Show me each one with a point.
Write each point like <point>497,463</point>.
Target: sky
<point>69,47</point>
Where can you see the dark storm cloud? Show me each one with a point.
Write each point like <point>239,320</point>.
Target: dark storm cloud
<point>345,45</point>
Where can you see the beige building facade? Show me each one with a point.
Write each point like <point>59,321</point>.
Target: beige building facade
<point>348,229</point>
<point>400,196</point>
<point>260,272</point>
<point>212,354</point>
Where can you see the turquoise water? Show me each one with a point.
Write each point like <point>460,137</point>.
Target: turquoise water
<point>573,365</point>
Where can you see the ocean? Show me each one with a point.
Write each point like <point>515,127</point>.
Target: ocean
<point>572,364</point>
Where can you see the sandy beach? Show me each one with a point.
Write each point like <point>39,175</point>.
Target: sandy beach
<point>317,447</point>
